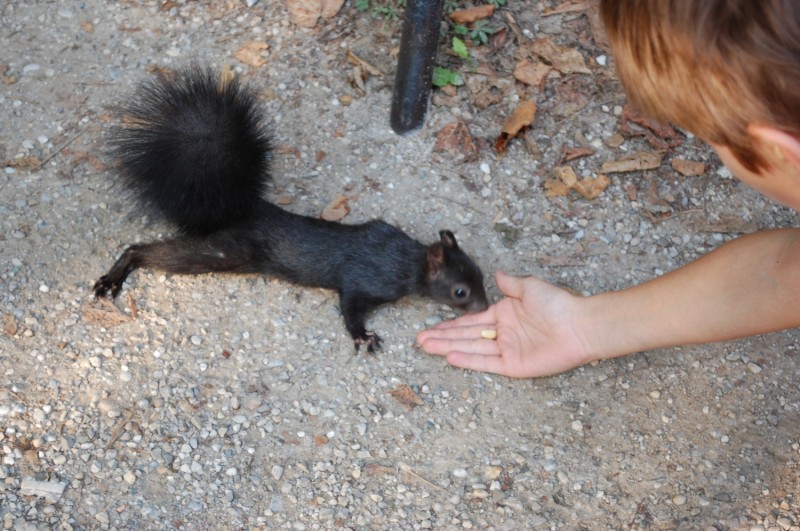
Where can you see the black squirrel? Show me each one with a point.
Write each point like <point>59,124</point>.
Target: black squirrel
<point>198,149</point>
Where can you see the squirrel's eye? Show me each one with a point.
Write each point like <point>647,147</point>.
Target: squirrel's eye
<point>460,293</point>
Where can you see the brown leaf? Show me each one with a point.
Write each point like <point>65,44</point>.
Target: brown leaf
<point>457,142</point>
<point>688,168</point>
<point>24,163</point>
<point>336,210</point>
<point>568,154</point>
<point>596,25</point>
<point>725,225</point>
<point>87,26</point>
<point>355,60</point>
<point>660,136</point>
<point>9,324</point>
<point>374,469</point>
<point>561,182</point>
<point>320,440</point>
<point>330,8</point>
<point>516,124</point>
<point>592,187</point>
<point>636,162</point>
<point>304,13</point>
<point>406,396</point>
<point>104,313</point>
<point>615,140</point>
<point>565,60</point>
<point>486,89</point>
<point>470,15</point>
<point>532,72</point>
<point>569,6</point>
<point>252,53</point>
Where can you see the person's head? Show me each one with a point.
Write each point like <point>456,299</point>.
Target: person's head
<point>726,70</point>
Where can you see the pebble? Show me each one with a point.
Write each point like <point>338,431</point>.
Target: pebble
<point>680,499</point>
<point>129,477</point>
<point>577,426</point>
<point>277,472</point>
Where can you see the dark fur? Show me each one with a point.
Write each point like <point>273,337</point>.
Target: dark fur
<point>198,153</point>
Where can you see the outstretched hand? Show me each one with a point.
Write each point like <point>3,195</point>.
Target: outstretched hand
<point>535,326</point>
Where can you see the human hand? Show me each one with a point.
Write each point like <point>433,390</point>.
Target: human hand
<point>536,330</point>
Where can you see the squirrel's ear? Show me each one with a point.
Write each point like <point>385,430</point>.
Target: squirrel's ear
<point>448,239</point>
<point>435,260</point>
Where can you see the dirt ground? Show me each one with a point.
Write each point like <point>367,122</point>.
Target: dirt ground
<point>221,402</point>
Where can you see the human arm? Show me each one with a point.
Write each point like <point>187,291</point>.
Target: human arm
<point>746,287</point>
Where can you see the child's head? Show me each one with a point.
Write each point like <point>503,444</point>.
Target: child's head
<point>712,67</point>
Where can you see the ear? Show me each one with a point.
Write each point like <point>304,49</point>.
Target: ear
<point>448,239</point>
<point>780,144</point>
<point>435,260</point>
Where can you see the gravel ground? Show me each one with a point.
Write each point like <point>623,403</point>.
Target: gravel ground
<point>237,402</point>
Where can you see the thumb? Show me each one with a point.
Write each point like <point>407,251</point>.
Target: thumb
<point>511,286</point>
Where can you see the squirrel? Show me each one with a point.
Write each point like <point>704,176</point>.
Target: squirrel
<point>197,150</point>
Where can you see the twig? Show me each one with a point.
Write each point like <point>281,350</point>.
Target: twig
<point>60,149</point>
<point>116,433</point>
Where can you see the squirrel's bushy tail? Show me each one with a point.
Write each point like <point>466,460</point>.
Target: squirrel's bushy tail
<point>195,148</point>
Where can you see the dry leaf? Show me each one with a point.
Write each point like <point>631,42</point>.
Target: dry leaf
<point>23,163</point>
<point>104,313</point>
<point>636,162</point>
<point>304,13</point>
<point>373,469</point>
<point>568,154</point>
<point>337,210</point>
<point>596,25</point>
<point>725,225</point>
<point>564,179</point>
<point>320,440</point>
<point>561,182</point>
<point>565,60</point>
<point>660,136</point>
<point>355,60</point>
<point>688,168</point>
<point>87,26</point>
<point>457,142</point>
<point>406,396</point>
<point>592,187</point>
<point>615,140</point>
<point>251,53</point>
<point>470,15</point>
<point>570,6</point>
<point>485,88</point>
<point>516,124</point>
<point>9,324</point>
<point>532,72</point>
<point>330,8</point>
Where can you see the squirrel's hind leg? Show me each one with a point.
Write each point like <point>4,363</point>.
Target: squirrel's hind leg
<point>215,253</point>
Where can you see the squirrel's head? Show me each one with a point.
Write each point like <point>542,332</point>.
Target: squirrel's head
<point>452,277</point>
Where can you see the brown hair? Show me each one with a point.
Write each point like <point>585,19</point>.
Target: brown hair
<point>711,67</point>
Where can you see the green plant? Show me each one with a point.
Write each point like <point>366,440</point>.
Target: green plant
<point>480,32</point>
<point>460,48</point>
<point>498,3</point>
<point>362,5</point>
<point>444,76</point>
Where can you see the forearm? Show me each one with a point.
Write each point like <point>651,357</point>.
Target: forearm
<point>746,287</point>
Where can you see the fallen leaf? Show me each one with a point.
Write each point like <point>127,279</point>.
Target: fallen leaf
<point>532,72</point>
<point>725,224</point>
<point>320,440</point>
<point>568,154</point>
<point>23,163</point>
<point>406,396</point>
<point>304,13</point>
<point>104,313</point>
<point>251,53</point>
<point>570,6</point>
<point>615,140</point>
<point>374,469</point>
<point>516,124</point>
<point>661,136</point>
<point>336,210</point>
<point>561,182</point>
<point>596,25</point>
<point>592,187</point>
<point>330,8</point>
<point>565,60</point>
<point>457,142</point>
<point>87,26</point>
<point>487,90</point>
<point>355,60</point>
<point>9,324</point>
<point>636,162</point>
<point>564,179</point>
<point>688,168</point>
<point>470,15</point>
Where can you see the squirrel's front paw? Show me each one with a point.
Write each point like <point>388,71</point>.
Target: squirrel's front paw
<point>370,339</point>
<point>105,284</point>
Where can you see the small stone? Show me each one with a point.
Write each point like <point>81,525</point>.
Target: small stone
<point>577,426</point>
<point>129,477</point>
<point>460,473</point>
<point>680,499</point>
<point>44,288</point>
<point>754,368</point>
<point>277,472</point>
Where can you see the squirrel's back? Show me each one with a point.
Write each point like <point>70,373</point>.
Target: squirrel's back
<point>195,148</point>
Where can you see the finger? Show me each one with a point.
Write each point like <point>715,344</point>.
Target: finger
<point>477,362</point>
<point>457,332</point>
<point>484,318</point>
<point>511,286</point>
<point>441,347</point>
